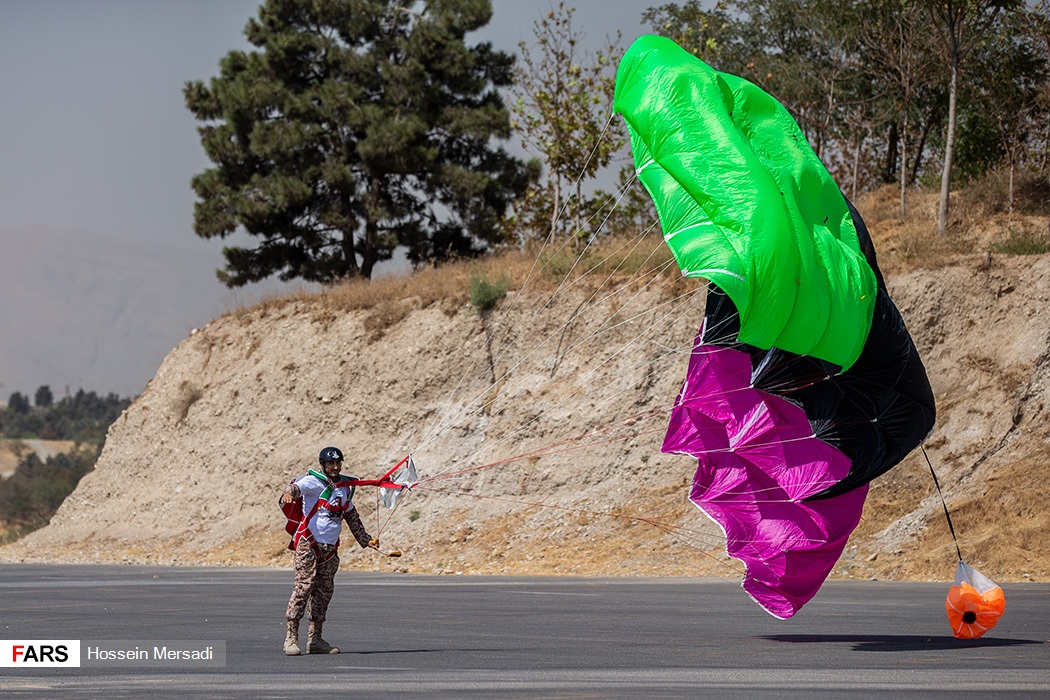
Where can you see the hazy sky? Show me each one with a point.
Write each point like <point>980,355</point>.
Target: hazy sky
<point>94,134</point>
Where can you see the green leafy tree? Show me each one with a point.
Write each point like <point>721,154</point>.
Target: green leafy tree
<point>18,403</point>
<point>357,126</point>
<point>710,35</point>
<point>899,57</point>
<point>960,25</point>
<point>44,397</point>
<point>865,82</point>
<point>84,417</point>
<point>1008,74</point>
<point>799,52</point>
<point>563,107</point>
<point>30,496</point>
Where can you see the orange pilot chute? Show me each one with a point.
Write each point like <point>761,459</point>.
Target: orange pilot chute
<point>974,604</point>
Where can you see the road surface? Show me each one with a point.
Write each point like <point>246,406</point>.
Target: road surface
<point>515,637</point>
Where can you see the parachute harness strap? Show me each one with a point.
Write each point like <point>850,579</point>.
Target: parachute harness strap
<point>951,528</point>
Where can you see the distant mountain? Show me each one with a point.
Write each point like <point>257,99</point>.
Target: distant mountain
<point>99,313</point>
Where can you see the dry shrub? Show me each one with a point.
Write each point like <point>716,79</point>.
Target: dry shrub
<point>1032,194</point>
<point>188,395</point>
<point>384,315</point>
<point>981,197</point>
<point>271,302</point>
<point>1021,239</point>
<point>615,256</point>
<point>388,300</point>
<point>903,245</point>
<point>448,284</point>
<point>989,195</point>
<point>922,246</point>
<point>883,204</point>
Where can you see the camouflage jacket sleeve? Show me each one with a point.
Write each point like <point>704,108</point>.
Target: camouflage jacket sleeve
<point>357,528</point>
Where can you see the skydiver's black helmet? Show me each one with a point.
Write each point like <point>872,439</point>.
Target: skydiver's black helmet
<point>330,454</point>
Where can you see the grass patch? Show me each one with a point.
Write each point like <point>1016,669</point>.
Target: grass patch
<point>484,295</point>
<point>988,194</point>
<point>613,256</point>
<point>448,285</point>
<point>1023,243</point>
<point>385,315</point>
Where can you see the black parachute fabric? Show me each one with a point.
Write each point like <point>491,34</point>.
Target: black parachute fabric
<point>875,413</point>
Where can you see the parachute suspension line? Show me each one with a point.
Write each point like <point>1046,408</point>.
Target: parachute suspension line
<point>656,273</point>
<point>569,445</point>
<point>786,387</point>
<point>562,285</point>
<point>582,380</point>
<point>382,522</point>
<point>579,178</point>
<point>654,521</point>
<point>947,516</point>
<point>630,420</point>
<point>565,243</point>
<point>604,327</point>
<point>637,337</point>
<point>441,420</point>
<point>590,303</point>
<point>619,198</point>
<point>453,419</point>
<point>546,241</point>
<point>576,183</point>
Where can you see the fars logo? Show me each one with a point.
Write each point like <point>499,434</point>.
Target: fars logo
<point>34,653</point>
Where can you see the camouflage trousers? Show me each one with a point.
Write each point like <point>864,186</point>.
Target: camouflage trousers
<point>314,581</point>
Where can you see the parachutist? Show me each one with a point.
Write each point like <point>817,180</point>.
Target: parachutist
<point>316,506</point>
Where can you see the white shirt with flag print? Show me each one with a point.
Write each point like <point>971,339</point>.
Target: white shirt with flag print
<point>327,522</point>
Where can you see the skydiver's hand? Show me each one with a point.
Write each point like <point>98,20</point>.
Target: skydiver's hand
<point>374,543</point>
<point>286,498</point>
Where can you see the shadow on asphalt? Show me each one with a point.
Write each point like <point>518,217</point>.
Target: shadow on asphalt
<point>892,642</point>
<point>416,651</point>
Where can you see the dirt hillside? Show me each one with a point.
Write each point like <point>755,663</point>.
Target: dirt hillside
<point>568,433</point>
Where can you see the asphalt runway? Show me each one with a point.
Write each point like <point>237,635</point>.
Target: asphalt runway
<point>511,637</point>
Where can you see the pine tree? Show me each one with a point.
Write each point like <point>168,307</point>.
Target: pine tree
<point>357,126</point>
<point>44,397</point>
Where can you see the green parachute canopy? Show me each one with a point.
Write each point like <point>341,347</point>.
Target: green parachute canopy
<point>745,203</point>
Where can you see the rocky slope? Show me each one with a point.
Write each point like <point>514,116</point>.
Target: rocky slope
<point>554,467</point>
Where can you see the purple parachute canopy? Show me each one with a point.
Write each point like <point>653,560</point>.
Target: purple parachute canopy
<point>758,460</point>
